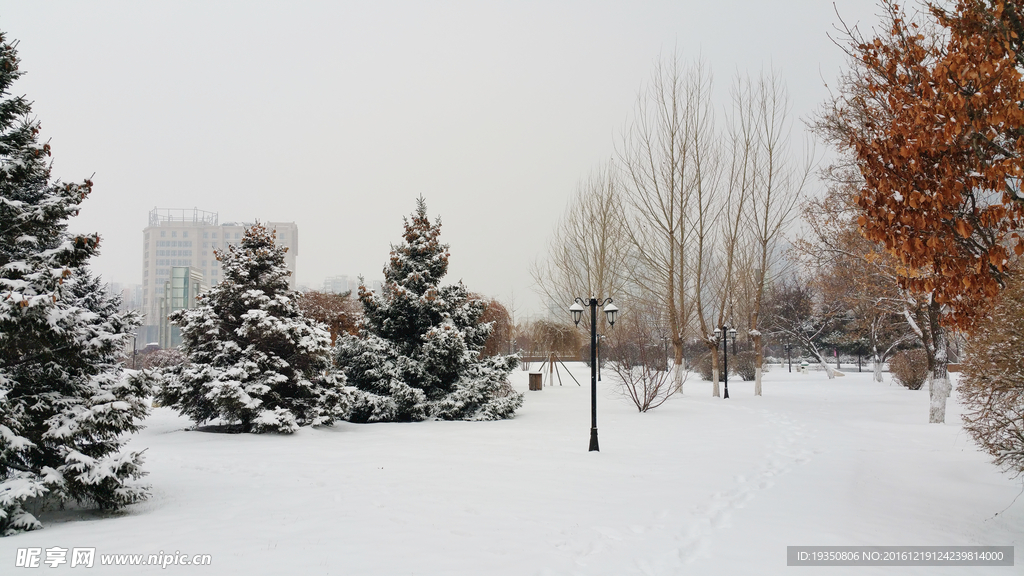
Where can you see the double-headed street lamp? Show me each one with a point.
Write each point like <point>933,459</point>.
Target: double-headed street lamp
<point>610,310</point>
<point>723,335</point>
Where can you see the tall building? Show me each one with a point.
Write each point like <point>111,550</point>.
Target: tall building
<point>188,238</point>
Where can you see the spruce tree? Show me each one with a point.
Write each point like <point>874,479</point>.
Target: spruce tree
<point>417,354</point>
<point>254,360</point>
<point>65,401</point>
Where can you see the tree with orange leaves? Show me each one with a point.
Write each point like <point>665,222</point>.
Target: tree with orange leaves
<point>339,312</point>
<point>930,113</point>
<point>935,125</point>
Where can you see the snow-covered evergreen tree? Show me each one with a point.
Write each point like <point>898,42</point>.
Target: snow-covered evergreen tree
<point>65,402</point>
<point>254,359</point>
<point>417,354</point>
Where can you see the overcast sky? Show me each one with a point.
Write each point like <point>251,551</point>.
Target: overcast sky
<point>337,115</point>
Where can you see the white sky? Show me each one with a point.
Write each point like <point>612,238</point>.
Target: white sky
<point>337,115</point>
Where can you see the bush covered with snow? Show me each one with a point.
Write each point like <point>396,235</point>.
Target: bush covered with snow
<point>65,399</point>
<point>910,368</point>
<point>254,359</point>
<point>418,351</point>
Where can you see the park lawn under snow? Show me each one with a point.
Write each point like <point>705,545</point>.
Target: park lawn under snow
<point>700,485</point>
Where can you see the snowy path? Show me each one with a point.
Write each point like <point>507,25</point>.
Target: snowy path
<point>699,486</point>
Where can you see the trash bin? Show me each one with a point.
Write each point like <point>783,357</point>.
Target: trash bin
<point>536,381</point>
<point>803,367</point>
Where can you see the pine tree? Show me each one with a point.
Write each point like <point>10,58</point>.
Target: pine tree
<point>254,360</point>
<point>417,354</point>
<point>65,401</point>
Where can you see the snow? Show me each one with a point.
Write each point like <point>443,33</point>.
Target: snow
<point>700,485</point>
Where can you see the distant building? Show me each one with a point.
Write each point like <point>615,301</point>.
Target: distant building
<point>342,284</point>
<point>179,293</point>
<point>338,285</point>
<point>187,238</point>
<point>130,294</point>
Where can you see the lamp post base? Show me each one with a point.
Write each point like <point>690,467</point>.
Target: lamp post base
<point>726,393</point>
<point>593,440</point>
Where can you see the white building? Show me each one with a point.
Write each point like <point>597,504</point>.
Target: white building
<point>342,284</point>
<point>188,238</point>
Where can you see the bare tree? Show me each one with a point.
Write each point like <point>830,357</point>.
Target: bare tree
<point>636,359</point>
<point>864,276</point>
<point>801,315</point>
<point>499,340</point>
<point>777,182</point>
<point>670,162</point>
<point>587,253</point>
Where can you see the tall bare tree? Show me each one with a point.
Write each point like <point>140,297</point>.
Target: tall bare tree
<point>778,181</point>
<point>670,162</point>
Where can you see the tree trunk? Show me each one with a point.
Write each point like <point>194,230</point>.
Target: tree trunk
<point>823,361</point>
<point>876,362</point>
<point>716,373</point>
<point>758,362</point>
<point>938,385</point>
<point>677,375</point>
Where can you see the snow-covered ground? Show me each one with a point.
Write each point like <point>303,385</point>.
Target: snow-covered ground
<point>700,485</point>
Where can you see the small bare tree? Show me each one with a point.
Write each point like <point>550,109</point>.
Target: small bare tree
<point>555,337</point>
<point>636,358</point>
<point>499,340</point>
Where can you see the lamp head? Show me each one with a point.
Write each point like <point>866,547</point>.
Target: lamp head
<point>610,311</point>
<point>577,312</point>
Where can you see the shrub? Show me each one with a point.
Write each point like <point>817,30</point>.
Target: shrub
<point>165,358</point>
<point>991,387</point>
<point>910,368</point>
<point>744,365</point>
<point>636,366</point>
<point>704,368</point>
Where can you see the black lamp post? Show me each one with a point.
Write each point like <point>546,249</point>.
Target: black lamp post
<point>723,335</point>
<point>789,359</point>
<point>610,310</point>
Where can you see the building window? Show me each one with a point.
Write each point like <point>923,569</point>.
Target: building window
<point>184,234</point>
<point>163,233</point>
<point>206,234</point>
<point>214,235</point>
<point>174,234</point>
